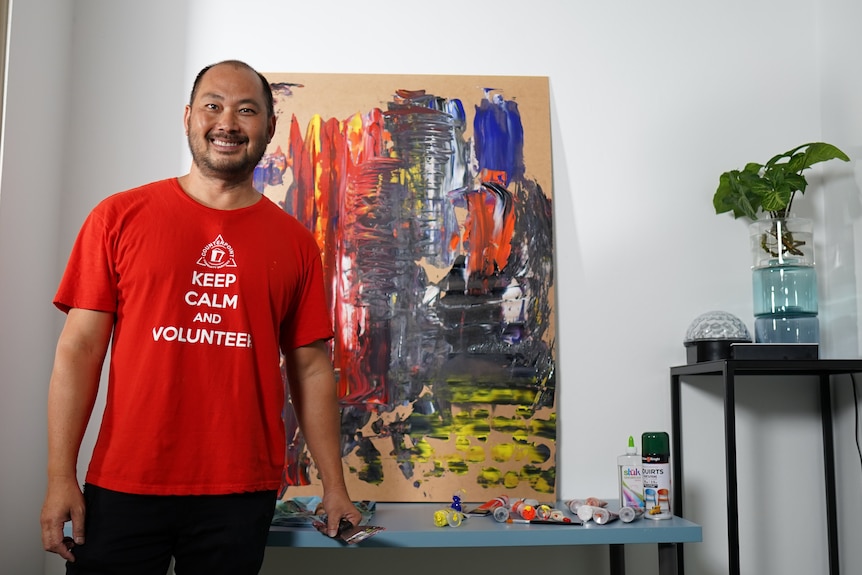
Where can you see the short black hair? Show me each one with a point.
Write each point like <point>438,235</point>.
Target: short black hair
<point>267,89</point>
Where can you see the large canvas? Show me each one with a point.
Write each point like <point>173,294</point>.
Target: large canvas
<point>430,198</point>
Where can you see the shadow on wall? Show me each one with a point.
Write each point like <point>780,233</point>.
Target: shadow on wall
<point>838,256</point>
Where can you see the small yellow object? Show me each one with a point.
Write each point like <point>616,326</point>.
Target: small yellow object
<point>450,517</point>
<point>455,518</point>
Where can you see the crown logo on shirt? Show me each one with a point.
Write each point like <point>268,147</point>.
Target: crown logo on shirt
<point>217,254</point>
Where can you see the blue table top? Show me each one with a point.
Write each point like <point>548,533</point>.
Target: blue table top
<point>412,525</point>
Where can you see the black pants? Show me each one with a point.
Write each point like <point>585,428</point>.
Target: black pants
<point>205,534</point>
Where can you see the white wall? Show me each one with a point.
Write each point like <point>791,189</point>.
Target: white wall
<point>650,102</point>
<point>841,93</point>
<point>34,150</point>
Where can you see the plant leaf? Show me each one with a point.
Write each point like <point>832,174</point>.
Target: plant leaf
<point>815,153</point>
<point>776,199</point>
<point>797,182</point>
<point>752,168</point>
<point>771,186</point>
<point>731,196</point>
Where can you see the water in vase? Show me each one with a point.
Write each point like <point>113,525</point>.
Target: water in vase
<point>785,304</point>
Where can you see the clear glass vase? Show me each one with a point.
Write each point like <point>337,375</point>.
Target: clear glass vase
<point>784,281</point>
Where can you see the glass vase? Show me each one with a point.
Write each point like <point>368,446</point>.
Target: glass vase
<point>784,281</point>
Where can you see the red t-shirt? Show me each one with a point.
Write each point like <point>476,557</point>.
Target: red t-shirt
<point>202,299</point>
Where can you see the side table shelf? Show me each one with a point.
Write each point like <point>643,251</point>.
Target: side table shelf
<point>824,369</point>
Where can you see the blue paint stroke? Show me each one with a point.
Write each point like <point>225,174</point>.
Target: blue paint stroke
<point>498,136</point>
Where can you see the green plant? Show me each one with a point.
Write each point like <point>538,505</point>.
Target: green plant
<point>771,187</point>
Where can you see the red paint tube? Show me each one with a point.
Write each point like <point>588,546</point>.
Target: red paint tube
<point>488,507</point>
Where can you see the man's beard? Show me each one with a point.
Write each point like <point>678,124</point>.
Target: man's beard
<point>235,167</point>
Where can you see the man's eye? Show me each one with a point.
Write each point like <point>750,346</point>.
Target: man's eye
<point>211,106</point>
<point>247,111</point>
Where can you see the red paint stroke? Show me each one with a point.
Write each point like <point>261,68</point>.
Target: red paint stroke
<point>488,230</point>
<point>337,166</point>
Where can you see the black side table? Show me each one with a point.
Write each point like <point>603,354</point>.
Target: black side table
<point>728,370</point>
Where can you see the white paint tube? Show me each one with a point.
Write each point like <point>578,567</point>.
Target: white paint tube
<point>628,514</point>
<point>574,504</point>
<point>603,516</point>
<point>587,512</point>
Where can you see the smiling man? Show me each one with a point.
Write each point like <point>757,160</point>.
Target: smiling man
<point>202,287</point>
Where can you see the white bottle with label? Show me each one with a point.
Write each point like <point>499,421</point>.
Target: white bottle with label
<point>629,477</point>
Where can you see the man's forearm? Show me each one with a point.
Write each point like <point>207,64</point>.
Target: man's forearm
<point>320,423</point>
<point>74,384</point>
<point>313,392</point>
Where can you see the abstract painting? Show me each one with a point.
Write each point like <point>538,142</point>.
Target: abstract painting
<point>430,198</point>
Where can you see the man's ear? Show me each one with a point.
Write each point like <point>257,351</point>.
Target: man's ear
<point>186,115</point>
<point>272,123</point>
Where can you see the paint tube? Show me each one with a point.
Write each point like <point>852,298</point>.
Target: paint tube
<point>543,512</point>
<point>603,516</point>
<point>587,512</point>
<point>501,514</point>
<point>489,506</point>
<point>629,514</point>
<point>448,516</point>
<point>557,515</point>
<point>573,504</point>
<point>525,508</point>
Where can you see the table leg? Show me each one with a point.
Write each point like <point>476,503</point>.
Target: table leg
<point>676,459</point>
<point>829,466</point>
<point>730,469</point>
<point>618,559</point>
<point>667,559</point>
<point>676,443</point>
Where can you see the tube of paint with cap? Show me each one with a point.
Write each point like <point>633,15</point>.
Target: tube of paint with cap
<point>488,507</point>
<point>501,514</point>
<point>557,515</point>
<point>629,514</point>
<point>526,508</point>
<point>587,512</point>
<point>543,511</point>
<point>573,504</point>
<point>603,516</point>
<point>448,516</point>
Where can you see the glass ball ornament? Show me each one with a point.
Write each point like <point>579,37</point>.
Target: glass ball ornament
<point>711,334</point>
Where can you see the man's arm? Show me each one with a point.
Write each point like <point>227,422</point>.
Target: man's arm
<point>78,361</point>
<point>313,393</point>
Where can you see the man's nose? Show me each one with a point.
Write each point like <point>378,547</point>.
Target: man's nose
<point>228,121</point>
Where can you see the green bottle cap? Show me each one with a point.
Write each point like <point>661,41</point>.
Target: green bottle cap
<point>655,443</point>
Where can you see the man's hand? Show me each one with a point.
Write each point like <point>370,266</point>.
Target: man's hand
<point>338,506</point>
<point>63,502</point>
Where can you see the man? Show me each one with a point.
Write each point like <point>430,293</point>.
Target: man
<point>198,282</point>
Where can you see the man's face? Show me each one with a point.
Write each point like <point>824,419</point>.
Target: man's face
<point>227,124</point>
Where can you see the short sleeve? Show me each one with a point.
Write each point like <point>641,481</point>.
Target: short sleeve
<point>89,281</point>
